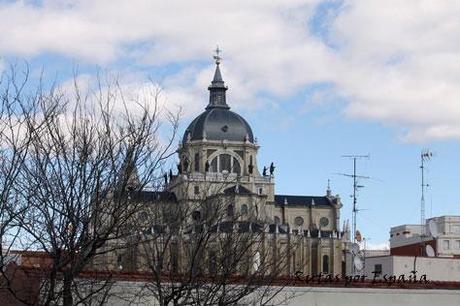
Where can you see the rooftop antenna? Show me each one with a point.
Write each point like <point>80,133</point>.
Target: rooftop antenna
<point>430,251</point>
<point>425,156</point>
<point>433,228</point>
<point>358,263</point>
<point>355,210</point>
<point>355,177</point>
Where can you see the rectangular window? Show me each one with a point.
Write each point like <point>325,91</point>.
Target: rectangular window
<point>446,244</point>
<point>378,269</point>
<point>197,162</point>
<point>458,244</point>
<point>174,258</point>
<point>212,269</point>
<point>325,264</point>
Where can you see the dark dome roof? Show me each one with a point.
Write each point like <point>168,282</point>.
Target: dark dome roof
<point>219,124</point>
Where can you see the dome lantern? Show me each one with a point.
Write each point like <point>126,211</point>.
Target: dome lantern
<point>217,122</point>
<point>217,88</point>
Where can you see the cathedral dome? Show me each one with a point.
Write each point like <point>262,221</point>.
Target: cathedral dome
<point>218,122</point>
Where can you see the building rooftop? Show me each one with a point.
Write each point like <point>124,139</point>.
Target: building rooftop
<point>298,200</point>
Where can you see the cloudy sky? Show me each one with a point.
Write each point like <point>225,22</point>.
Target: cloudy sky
<point>316,80</point>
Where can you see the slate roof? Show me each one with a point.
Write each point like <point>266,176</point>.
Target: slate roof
<point>241,190</point>
<point>297,200</point>
<point>152,196</point>
<point>218,122</point>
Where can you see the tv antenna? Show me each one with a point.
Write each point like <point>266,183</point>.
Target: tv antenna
<point>430,251</point>
<point>425,156</point>
<point>358,263</point>
<point>356,186</point>
<point>433,228</point>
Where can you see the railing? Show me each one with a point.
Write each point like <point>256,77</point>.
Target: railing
<point>227,177</point>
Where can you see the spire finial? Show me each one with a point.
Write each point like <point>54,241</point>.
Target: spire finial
<point>217,56</point>
<point>328,191</point>
<point>217,88</point>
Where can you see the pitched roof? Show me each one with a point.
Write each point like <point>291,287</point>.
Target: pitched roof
<point>297,200</point>
<point>152,196</point>
<point>239,190</point>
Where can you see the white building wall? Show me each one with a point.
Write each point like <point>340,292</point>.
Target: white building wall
<point>436,269</point>
<point>320,296</point>
<point>447,238</point>
<point>372,297</point>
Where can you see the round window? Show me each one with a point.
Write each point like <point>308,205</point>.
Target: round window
<point>298,221</point>
<point>324,222</point>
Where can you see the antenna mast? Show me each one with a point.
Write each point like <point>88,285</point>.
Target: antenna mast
<point>425,156</point>
<point>355,177</point>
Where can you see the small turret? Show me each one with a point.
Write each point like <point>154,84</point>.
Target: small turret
<point>217,88</point>
<point>328,190</point>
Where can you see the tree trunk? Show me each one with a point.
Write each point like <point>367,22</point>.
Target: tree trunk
<point>67,290</point>
<point>51,288</point>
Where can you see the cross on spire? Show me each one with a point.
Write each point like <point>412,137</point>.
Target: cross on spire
<point>217,56</point>
<point>217,88</point>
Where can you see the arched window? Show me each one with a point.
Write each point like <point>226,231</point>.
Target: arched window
<point>120,262</point>
<point>175,257</point>
<point>325,264</point>
<point>212,262</point>
<point>230,210</point>
<point>214,165</point>
<point>196,215</point>
<point>236,166</point>
<point>244,209</point>
<point>225,162</point>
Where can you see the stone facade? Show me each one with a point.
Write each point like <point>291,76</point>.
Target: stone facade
<point>215,163</point>
<point>218,158</point>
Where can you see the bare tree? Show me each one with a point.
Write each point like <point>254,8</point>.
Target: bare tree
<point>14,148</point>
<point>81,156</point>
<point>82,177</point>
<point>203,252</point>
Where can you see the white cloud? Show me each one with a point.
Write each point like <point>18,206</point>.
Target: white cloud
<point>402,63</point>
<point>397,62</point>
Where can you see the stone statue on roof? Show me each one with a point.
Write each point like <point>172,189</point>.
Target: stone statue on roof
<point>272,168</point>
